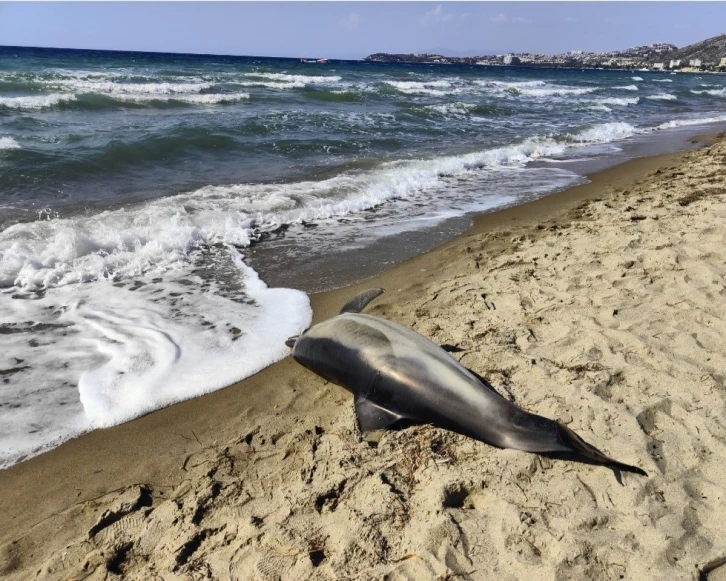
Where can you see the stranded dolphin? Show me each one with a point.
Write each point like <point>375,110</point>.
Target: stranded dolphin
<point>396,374</point>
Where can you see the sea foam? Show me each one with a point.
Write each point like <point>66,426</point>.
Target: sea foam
<point>205,99</point>
<point>304,79</point>
<point>8,143</point>
<point>604,133</point>
<point>618,101</point>
<point>112,88</point>
<point>695,121</point>
<point>91,364</point>
<point>712,92</point>
<point>536,89</point>
<point>437,88</point>
<point>662,97</point>
<point>35,101</point>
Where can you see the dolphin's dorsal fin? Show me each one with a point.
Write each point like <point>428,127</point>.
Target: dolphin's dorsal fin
<point>372,417</point>
<point>361,300</point>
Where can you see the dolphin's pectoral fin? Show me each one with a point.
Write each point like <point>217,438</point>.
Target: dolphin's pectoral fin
<point>373,417</point>
<point>361,300</point>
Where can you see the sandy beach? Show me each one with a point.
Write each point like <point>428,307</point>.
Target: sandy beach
<point>603,306</point>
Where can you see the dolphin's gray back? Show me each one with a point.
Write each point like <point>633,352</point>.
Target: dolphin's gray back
<point>403,372</point>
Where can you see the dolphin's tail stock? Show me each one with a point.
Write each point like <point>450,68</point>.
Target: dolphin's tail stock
<point>571,440</point>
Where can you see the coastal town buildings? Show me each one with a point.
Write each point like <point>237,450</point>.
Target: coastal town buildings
<point>709,55</point>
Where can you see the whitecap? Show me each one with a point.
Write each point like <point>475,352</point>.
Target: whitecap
<point>8,143</point>
<point>35,101</point>
<point>694,121</point>
<point>662,97</point>
<point>618,101</point>
<point>205,99</point>
<point>604,133</point>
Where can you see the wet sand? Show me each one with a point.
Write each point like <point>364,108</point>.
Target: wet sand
<point>602,306</point>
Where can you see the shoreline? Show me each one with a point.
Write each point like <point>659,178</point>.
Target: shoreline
<point>50,494</point>
<point>325,272</point>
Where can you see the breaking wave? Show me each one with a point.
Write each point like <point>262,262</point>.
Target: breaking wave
<point>662,97</point>
<point>35,101</point>
<point>8,143</point>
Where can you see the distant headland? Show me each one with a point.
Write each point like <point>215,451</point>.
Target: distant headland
<point>707,55</point>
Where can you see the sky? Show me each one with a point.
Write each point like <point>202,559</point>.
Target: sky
<point>356,29</point>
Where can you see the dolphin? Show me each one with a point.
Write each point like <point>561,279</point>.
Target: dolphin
<point>397,374</point>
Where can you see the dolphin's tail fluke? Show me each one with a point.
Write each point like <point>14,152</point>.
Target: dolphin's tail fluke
<point>571,440</point>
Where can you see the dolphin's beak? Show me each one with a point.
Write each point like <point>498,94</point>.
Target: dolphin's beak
<point>291,341</point>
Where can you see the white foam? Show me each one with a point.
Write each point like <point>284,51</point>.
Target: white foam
<point>438,88</point>
<point>182,358</point>
<point>206,99</point>
<point>507,84</point>
<point>662,80</point>
<point>113,88</point>
<point>627,88</point>
<point>304,79</point>
<point>35,101</point>
<point>535,89</point>
<point>604,133</point>
<point>600,107</point>
<point>637,78</point>
<point>274,85</point>
<point>662,97</point>
<point>456,109</point>
<point>712,92</point>
<point>8,143</point>
<point>619,101</point>
<point>686,122</point>
<point>97,365</point>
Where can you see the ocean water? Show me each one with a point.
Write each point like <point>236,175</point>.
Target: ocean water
<point>133,185</point>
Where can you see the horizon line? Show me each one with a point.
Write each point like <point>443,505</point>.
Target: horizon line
<point>171,53</point>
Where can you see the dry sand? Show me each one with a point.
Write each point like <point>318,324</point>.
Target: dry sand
<point>603,307</point>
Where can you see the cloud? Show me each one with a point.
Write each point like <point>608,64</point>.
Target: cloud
<point>504,19</point>
<point>431,16</point>
<point>351,21</point>
<point>438,15</point>
<point>571,19</point>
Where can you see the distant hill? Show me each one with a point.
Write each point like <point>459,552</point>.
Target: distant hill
<point>710,50</point>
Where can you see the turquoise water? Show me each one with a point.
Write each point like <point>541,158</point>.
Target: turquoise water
<point>132,185</point>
